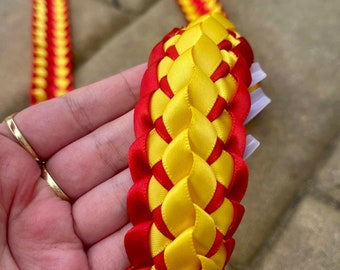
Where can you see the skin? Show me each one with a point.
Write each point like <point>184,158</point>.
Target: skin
<point>84,138</point>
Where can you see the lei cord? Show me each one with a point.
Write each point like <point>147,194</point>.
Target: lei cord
<point>51,50</point>
<point>200,88</point>
<point>187,163</point>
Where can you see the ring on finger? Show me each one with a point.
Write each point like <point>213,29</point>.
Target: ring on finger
<point>24,143</point>
<point>53,185</point>
<point>20,137</point>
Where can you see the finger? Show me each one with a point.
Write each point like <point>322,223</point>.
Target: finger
<point>102,211</point>
<point>18,174</point>
<point>110,252</point>
<point>93,159</point>
<point>51,125</point>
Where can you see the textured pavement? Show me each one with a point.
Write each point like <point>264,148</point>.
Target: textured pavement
<point>292,218</point>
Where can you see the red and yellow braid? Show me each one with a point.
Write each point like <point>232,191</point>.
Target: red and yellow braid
<point>192,9</point>
<point>186,163</point>
<point>52,67</point>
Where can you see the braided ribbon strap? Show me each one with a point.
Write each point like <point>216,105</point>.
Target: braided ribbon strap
<point>193,9</point>
<point>186,163</point>
<point>52,68</point>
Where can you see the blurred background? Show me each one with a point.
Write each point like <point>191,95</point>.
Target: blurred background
<point>292,218</point>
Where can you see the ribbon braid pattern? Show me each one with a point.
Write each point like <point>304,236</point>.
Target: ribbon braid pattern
<point>192,9</point>
<point>52,63</point>
<point>186,163</point>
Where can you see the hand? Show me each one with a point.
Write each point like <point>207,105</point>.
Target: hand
<point>84,138</point>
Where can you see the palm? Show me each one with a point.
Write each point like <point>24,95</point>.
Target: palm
<point>39,227</point>
<point>85,141</point>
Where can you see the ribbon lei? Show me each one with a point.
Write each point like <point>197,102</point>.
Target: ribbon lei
<point>193,9</point>
<point>52,63</point>
<point>186,163</point>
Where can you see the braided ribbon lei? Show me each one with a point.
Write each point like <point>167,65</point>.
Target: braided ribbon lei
<point>200,88</point>
<point>186,163</point>
<point>193,9</point>
<point>51,67</point>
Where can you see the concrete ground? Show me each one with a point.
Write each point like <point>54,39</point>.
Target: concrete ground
<point>292,218</point>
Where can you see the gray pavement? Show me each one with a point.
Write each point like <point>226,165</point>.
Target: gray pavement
<point>292,217</point>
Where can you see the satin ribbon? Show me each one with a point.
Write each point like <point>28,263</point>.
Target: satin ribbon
<point>193,9</point>
<point>51,53</point>
<point>186,163</point>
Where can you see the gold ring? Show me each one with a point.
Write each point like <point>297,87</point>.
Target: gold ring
<point>20,137</point>
<point>24,143</point>
<point>57,190</point>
